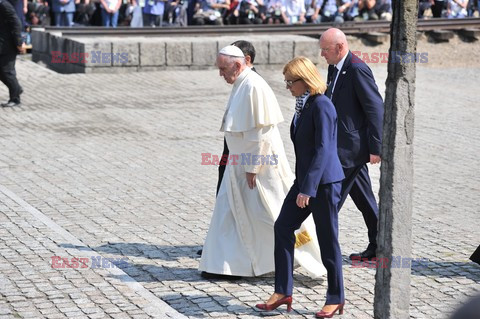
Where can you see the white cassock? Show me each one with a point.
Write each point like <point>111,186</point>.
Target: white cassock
<point>240,240</point>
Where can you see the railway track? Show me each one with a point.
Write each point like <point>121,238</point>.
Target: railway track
<point>305,29</point>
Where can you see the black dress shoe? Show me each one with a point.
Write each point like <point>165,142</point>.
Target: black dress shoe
<point>208,275</point>
<point>200,252</point>
<point>368,254</point>
<point>11,104</point>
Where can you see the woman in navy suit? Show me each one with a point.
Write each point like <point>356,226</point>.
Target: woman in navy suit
<point>316,189</point>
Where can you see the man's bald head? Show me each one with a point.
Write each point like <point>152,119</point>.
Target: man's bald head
<point>333,45</point>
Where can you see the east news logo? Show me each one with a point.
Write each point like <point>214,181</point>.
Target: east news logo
<point>92,57</point>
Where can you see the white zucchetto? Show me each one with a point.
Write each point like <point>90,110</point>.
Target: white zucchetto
<point>232,50</point>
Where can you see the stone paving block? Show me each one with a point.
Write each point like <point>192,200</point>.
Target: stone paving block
<point>307,47</point>
<point>280,51</point>
<point>204,53</point>
<point>178,53</point>
<point>125,53</point>
<point>152,53</point>
<point>261,51</point>
<point>99,53</point>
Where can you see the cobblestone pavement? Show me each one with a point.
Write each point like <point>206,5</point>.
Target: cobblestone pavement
<point>108,166</point>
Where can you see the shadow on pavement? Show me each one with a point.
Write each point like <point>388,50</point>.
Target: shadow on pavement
<point>420,267</point>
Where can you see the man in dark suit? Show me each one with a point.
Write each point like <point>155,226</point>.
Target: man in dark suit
<point>352,89</point>
<point>10,44</point>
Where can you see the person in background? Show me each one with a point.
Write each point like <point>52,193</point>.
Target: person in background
<point>38,13</point>
<point>424,5</point>
<point>383,9</point>
<point>10,45</point>
<point>293,11</point>
<point>210,12</point>
<point>327,11</point>
<point>438,7</point>
<point>273,13</point>
<point>153,13</point>
<point>110,12</point>
<point>457,9</point>
<point>353,91</point>
<point>350,11</point>
<point>135,10</point>
<point>63,11</point>
<point>249,12</point>
<point>84,12</point>
<point>366,10</point>
<point>175,13</point>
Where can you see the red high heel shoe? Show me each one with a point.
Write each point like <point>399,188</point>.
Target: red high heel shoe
<point>323,314</point>
<point>285,300</point>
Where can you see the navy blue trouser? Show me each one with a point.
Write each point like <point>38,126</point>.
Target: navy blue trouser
<point>324,210</point>
<point>357,184</point>
<point>8,76</point>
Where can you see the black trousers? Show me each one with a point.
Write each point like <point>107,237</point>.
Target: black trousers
<point>437,8</point>
<point>357,184</point>
<point>223,163</point>
<point>9,77</point>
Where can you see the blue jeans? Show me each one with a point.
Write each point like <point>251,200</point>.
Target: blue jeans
<point>63,19</point>
<point>109,19</point>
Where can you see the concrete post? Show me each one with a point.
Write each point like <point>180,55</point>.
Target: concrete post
<point>392,287</point>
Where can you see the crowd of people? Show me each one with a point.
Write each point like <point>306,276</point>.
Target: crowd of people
<point>155,13</point>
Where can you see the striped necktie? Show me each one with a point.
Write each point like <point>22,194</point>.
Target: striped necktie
<point>331,83</point>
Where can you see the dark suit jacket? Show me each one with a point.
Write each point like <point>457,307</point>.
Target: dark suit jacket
<point>315,142</point>
<point>10,29</point>
<point>360,112</point>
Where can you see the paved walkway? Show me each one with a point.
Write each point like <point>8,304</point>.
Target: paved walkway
<point>108,166</point>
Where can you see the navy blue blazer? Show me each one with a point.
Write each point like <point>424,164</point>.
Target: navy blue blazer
<point>360,112</point>
<point>315,142</point>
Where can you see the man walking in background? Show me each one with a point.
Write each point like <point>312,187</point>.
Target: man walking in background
<point>352,89</point>
<point>10,44</point>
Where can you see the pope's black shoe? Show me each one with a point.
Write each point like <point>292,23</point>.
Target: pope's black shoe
<point>368,254</point>
<point>208,275</point>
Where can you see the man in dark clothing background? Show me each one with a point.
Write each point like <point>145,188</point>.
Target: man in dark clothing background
<point>10,44</point>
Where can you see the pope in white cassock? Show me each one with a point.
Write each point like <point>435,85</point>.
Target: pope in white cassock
<point>240,240</point>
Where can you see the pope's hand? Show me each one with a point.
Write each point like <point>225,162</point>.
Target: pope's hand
<point>251,180</point>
